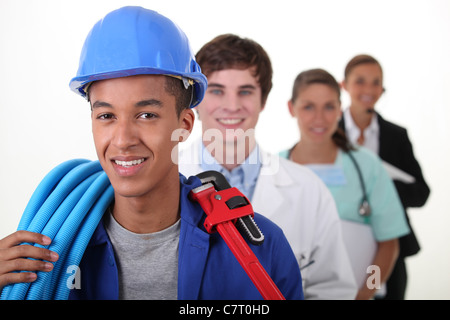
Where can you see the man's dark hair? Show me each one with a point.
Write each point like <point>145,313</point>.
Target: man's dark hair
<point>229,51</point>
<point>182,95</point>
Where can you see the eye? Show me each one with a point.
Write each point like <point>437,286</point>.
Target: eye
<point>147,115</point>
<point>104,116</point>
<point>245,92</point>
<point>377,83</point>
<point>216,92</point>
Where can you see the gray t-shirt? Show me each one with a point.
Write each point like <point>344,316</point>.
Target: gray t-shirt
<point>147,263</point>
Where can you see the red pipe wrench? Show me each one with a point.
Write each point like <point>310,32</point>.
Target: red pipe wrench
<point>225,207</point>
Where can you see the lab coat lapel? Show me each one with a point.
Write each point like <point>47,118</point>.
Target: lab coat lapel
<point>266,189</point>
<point>272,178</point>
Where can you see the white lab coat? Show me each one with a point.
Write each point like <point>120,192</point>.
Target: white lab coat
<point>295,199</point>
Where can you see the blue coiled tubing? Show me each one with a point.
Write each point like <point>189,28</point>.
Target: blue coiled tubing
<point>66,206</point>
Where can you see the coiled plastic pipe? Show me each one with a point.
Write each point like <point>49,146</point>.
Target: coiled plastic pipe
<point>66,206</point>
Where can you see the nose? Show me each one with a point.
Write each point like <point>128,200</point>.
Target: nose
<point>231,103</point>
<point>369,88</point>
<point>319,115</point>
<point>125,135</point>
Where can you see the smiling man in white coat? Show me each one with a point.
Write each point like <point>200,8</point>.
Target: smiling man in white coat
<point>239,76</point>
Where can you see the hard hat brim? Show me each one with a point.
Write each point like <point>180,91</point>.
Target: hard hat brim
<point>78,84</point>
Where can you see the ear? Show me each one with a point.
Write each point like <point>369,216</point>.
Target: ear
<point>186,123</point>
<point>343,85</point>
<point>291,108</point>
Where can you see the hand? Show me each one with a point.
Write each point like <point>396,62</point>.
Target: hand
<point>13,257</point>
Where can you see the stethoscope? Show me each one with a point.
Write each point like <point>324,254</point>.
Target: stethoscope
<point>364,208</point>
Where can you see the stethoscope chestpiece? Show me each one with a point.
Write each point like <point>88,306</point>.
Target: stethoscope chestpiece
<point>364,209</point>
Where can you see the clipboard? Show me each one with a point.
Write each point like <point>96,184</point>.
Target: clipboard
<point>361,248</point>
<point>398,174</point>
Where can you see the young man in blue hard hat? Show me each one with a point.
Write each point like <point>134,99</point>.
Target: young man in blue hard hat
<point>151,243</point>
<point>239,75</point>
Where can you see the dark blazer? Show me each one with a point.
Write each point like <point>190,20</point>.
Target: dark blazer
<point>396,149</point>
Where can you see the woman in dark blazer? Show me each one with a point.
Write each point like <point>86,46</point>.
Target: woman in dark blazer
<point>363,125</point>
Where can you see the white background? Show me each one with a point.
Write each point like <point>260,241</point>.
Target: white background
<point>43,123</point>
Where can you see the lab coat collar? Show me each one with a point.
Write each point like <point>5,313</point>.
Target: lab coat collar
<point>274,170</point>
<point>273,180</point>
<point>271,164</point>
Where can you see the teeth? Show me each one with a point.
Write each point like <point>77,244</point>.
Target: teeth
<point>230,121</point>
<point>127,164</point>
<point>366,98</point>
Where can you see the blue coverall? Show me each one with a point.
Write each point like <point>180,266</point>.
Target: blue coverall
<point>207,268</point>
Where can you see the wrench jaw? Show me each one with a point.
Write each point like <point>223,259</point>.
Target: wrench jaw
<point>214,177</point>
<point>245,224</point>
<point>248,227</point>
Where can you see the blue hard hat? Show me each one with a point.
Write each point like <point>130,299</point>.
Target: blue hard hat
<point>132,41</point>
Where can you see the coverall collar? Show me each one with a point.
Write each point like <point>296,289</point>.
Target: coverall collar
<point>193,243</point>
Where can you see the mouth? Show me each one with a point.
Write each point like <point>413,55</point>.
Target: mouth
<point>367,98</point>
<point>318,130</point>
<point>129,164</point>
<point>230,121</point>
